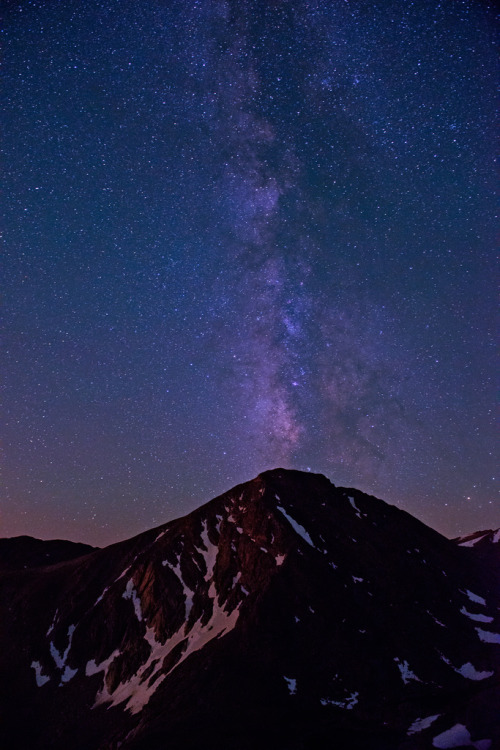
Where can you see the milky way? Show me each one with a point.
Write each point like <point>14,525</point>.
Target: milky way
<point>242,235</point>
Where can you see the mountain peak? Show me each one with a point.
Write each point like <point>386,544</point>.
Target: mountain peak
<point>298,610</point>
<point>294,476</point>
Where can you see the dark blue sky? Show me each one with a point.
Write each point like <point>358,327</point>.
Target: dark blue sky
<point>242,235</point>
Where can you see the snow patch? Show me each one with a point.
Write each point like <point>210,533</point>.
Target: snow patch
<point>472,542</point>
<point>40,678</point>
<point>60,659</point>
<point>54,620</point>
<point>353,504</point>
<point>406,673</point>
<point>137,691</point>
<point>122,575</point>
<point>236,579</point>
<point>188,593</point>
<point>291,682</point>
<point>438,622</point>
<point>280,559</point>
<point>477,618</point>
<point>68,674</point>
<point>92,668</point>
<point>297,527</point>
<point>458,736</point>
<point>357,580</point>
<point>496,537</point>
<point>131,593</point>
<point>348,703</point>
<point>475,598</point>
<point>471,673</point>
<point>332,565</point>
<point>420,724</point>
<point>100,598</point>
<point>455,737</point>
<point>487,636</point>
<point>209,553</point>
<point>467,670</point>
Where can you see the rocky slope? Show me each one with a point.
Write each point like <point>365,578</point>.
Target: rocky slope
<point>286,613</point>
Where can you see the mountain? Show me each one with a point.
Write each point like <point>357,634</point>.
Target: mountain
<point>27,552</point>
<point>287,613</point>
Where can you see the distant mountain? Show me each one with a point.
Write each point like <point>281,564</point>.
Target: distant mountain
<point>27,552</point>
<point>285,614</point>
<point>481,538</point>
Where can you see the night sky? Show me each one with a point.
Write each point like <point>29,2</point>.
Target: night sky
<point>242,235</point>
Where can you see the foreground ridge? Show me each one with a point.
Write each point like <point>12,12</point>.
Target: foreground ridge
<point>286,613</point>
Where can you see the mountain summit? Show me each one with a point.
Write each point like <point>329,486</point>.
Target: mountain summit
<point>287,613</point>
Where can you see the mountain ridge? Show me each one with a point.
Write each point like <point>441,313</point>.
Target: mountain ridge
<point>268,472</point>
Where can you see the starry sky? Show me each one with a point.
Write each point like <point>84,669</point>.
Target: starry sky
<point>240,235</point>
